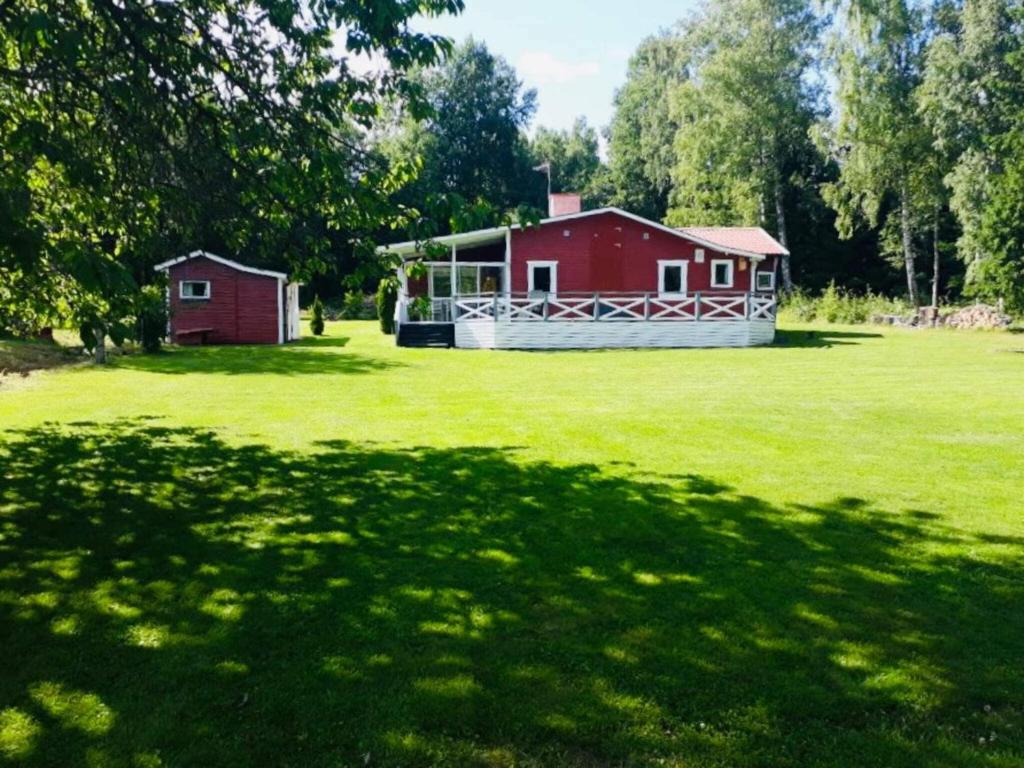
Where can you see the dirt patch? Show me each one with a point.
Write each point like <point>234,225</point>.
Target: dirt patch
<point>20,358</point>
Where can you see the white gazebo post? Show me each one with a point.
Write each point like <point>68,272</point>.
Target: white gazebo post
<point>508,272</point>
<point>454,288</point>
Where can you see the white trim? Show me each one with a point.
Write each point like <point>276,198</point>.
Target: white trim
<point>508,263</point>
<point>164,266</point>
<point>183,297</point>
<point>280,312</point>
<point>757,280</point>
<point>430,279</point>
<point>683,264</point>
<point>554,275</point>
<point>732,273</point>
<point>413,247</point>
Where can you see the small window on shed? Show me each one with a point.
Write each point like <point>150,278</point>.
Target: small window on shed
<point>765,281</point>
<point>195,289</point>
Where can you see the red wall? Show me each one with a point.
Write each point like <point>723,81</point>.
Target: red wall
<point>607,252</point>
<point>242,308</point>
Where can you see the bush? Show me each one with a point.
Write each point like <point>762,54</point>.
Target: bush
<point>353,306</point>
<point>387,297</point>
<point>799,305</point>
<point>316,324</point>
<point>151,320</point>
<point>837,305</point>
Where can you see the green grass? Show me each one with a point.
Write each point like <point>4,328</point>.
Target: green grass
<point>342,553</point>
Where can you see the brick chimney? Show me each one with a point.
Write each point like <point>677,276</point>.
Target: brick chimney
<point>564,203</point>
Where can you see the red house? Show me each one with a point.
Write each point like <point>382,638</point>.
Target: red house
<point>601,278</point>
<point>215,300</point>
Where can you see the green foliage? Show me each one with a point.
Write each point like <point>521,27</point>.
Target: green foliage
<point>973,100</point>
<point>387,298</point>
<point>316,323</point>
<point>643,128</point>
<point>746,112</point>
<point>151,317</point>
<point>132,130</point>
<point>471,147</point>
<point>575,163</point>
<point>838,305</point>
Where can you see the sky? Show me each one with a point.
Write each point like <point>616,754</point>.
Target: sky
<point>574,53</point>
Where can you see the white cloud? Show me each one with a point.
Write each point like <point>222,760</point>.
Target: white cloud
<point>544,68</point>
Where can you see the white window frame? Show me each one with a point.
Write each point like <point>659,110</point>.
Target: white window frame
<point>732,273</point>
<point>771,281</point>
<point>683,264</point>
<point>430,280</point>
<point>183,297</point>
<point>698,255</point>
<point>530,265</point>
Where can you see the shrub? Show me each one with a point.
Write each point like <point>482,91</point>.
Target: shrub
<point>799,305</point>
<point>151,319</point>
<point>352,307</point>
<point>831,306</point>
<point>837,305</point>
<point>316,324</point>
<point>387,297</point>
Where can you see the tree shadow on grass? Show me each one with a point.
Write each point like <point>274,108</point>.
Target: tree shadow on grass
<point>316,356</point>
<point>820,338</point>
<point>170,599</point>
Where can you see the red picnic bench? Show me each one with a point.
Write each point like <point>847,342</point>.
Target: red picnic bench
<point>202,333</point>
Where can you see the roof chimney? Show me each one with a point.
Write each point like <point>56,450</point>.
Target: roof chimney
<point>564,203</point>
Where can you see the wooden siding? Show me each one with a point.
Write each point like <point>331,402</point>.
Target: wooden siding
<point>486,334</point>
<point>608,252</point>
<point>242,308</point>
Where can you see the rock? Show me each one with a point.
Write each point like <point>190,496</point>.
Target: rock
<point>977,316</point>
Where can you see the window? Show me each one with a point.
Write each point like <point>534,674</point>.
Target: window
<point>671,278</point>
<point>440,282</point>
<point>721,273</point>
<point>542,277</point>
<point>470,280</point>
<point>194,289</point>
<point>490,279</point>
<point>467,277</point>
<point>766,281</point>
<point>698,255</point>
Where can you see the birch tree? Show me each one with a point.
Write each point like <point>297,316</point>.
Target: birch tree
<point>884,147</point>
<point>744,116</point>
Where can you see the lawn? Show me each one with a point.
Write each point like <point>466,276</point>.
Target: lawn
<point>340,553</point>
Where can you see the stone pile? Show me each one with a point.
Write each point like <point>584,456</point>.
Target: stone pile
<point>976,316</point>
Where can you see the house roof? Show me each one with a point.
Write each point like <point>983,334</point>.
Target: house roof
<point>413,247</point>
<point>164,266</point>
<point>741,238</point>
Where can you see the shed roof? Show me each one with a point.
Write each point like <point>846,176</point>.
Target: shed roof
<point>164,266</point>
<point>752,239</point>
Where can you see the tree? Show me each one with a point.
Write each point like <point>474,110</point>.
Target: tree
<point>316,323</point>
<point>471,146</point>
<point>641,134</point>
<point>888,170</point>
<point>574,158</point>
<point>972,98</point>
<point>124,124</point>
<point>744,116</point>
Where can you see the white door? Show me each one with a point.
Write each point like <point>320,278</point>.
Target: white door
<point>292,312</point>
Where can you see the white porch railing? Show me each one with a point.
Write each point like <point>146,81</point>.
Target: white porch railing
<point>593,307</point>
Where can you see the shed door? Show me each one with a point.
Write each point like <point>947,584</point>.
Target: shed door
<point>291,312</point>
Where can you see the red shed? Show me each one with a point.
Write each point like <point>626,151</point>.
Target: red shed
<point>216,300</point>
